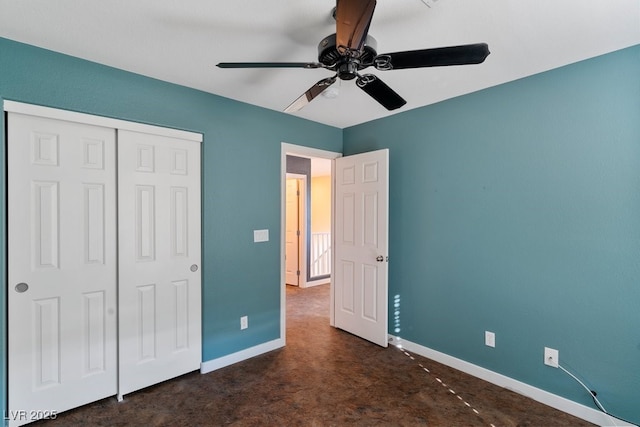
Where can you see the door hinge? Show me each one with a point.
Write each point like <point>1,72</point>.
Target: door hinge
<point>298,193</point>
<point>298,233</point>
<point>298,272</point>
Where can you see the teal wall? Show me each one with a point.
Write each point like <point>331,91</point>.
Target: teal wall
<point>241,178</point>
<point>516,210</point>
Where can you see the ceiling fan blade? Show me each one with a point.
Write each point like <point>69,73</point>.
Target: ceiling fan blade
<point>269,65</point>
<point>379,91</point>
<point>353,18</point>
<point>311,93</point>
<point>438,57</point>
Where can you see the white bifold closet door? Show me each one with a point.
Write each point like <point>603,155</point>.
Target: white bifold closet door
<point>62,266</point>
<point>104,260</point>
<point>159,253</point>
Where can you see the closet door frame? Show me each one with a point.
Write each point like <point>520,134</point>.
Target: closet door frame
<point>89,119</point>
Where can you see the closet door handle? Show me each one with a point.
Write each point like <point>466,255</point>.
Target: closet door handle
<point>194,267</point>
<point>22,287</point>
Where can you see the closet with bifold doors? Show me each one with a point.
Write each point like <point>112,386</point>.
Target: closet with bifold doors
<point>104,242</point>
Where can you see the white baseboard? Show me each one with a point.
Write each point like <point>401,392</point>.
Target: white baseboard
<point>221,362</point>
<point>318,282</point>
<point>558,402</point>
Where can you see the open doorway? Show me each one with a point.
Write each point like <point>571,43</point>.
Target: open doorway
<point>314,224</point>
<point>358,284</point>
<point>308,201</point>
<point>321,200</point>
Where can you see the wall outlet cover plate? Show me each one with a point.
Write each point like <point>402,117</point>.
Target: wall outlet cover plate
<point>551,357</point>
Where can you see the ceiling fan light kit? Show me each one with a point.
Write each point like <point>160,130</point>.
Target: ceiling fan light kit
<point>331,92</point>
<point>351,50</point>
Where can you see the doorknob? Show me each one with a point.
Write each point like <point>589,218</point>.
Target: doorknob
<point>379,258</point>
<point>21,287</point>
<point>194,267</point>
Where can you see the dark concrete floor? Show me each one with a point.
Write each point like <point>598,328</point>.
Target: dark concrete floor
<point>323,377</point>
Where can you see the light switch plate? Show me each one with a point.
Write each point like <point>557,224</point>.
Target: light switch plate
<point>489,339</point>
<point>260,235</point>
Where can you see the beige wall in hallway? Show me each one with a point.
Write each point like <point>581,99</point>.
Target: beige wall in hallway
<point>321,204</point>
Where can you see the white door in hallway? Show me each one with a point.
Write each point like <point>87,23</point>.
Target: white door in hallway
<point>159,259</point>
<point>361,245</point>
<point>61,266</point>
<point>292,232</point>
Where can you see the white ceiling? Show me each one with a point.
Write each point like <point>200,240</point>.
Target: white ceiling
<point>182,41</point>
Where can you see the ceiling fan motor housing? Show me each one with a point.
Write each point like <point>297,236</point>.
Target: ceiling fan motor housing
<point>347,66</point>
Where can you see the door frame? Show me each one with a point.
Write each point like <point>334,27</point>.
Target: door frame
<point>302,226</point>
<point>299,151</point>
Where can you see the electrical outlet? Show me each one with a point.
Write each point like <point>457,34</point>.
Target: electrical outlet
<point>551,357</point>
<point>489,339</point>
<point>244,322</point>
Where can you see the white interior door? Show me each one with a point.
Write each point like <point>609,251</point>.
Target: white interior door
<point>62,265</point>
<point>292,232</point>
<point>361,245</point>
<point>159,259</point>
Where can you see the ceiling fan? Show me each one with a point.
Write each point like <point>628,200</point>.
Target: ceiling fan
<point>351,50</point>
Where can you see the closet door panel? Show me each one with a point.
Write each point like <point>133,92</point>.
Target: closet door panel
<point>62,265</point>
<point>159,258</point>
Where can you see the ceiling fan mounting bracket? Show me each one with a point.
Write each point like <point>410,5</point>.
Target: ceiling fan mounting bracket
<point>383,63</point>
<point>364,80</point>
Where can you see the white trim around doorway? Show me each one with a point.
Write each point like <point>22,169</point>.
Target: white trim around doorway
<point>300,151</point>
